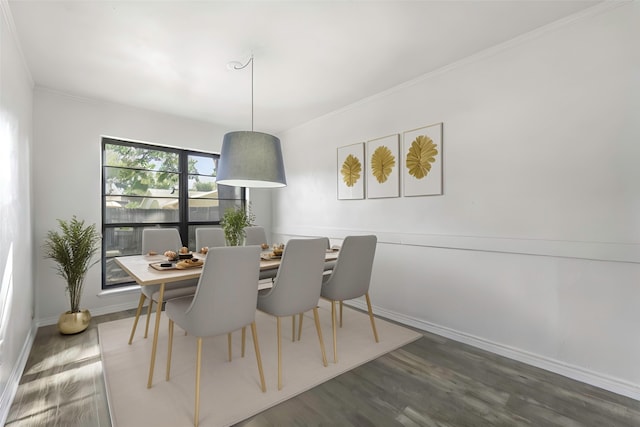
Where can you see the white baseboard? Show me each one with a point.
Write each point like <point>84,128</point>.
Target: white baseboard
<point>593,378</point>
<point>9,392</point>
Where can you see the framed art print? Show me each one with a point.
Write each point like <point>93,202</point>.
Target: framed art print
<point>383,177</point>
<point>422,161</point>
<point>351,172</point>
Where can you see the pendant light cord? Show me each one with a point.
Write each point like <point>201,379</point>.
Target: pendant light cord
<point>251,60</point>
<point>241,67</point>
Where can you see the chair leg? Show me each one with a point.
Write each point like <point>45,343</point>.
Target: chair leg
<point>373,323</point>
<point>149,307</point>
<point>244,338</point>
<point>169,347</point>
<point>293,328</point>
<point>138,311</point>
<point>256,347</point>
<point>293,320</point>
<point>317,319</point>
<point>334,331</point>
<point>229,345</point>
<point>279,335</point>
<point>198,361</point>
<point>300,327</point>
<point>341,313</point>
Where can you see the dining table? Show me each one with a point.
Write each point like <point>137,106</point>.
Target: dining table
<point>146,270</point>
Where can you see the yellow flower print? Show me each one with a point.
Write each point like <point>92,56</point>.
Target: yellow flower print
<point>420,156</point>
<point>382,163</point>
<point>351,169</point>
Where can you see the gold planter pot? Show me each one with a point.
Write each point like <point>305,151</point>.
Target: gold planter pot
<point>73,323</point>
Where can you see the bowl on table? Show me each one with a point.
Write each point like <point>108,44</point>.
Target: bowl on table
<point>277,250</point>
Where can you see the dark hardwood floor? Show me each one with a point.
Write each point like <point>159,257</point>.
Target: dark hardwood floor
<point>431,382</point>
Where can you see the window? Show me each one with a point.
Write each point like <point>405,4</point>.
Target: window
<point>146,185</point>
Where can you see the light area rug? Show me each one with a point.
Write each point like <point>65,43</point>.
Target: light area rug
<point>230,391</point>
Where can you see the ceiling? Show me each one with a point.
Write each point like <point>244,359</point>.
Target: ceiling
<point>311,57</point>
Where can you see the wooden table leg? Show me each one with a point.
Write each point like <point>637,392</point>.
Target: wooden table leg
<point>155,335</point>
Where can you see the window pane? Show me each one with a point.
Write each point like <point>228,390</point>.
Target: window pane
<point>133,182</point>
<point>202,187</point>
<point>141,202</point>
<point>127,210</point>
<point>119,242</point>
<point>204,210</point>
<point>128,156</point>
<point>114,275</point>
<point>198,212</point>
<point>228,192</point>
<point>201,165</point>
<point>225,205</point>
<point>204,206</point>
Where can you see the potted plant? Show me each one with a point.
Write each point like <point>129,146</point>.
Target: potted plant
<point>234,222</point>
<point>73,248</point>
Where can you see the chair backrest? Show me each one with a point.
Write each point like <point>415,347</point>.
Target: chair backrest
<point>327,242</point>
<point>227,292</point>
<point>351,275</point>
<point>160,240</point>
<point>210,238</point>
<point>255,235</point>
<point>296,287</point>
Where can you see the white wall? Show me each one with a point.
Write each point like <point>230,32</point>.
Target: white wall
<point>533,250</point>
<point>17,329</point>
<point>66,162</point>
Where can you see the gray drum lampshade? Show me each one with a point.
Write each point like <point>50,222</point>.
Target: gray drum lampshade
<point>251,159</point>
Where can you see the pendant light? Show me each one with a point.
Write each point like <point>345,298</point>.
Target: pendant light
<point>248,158</point>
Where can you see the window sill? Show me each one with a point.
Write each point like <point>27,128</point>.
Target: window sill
<point>120,291</point>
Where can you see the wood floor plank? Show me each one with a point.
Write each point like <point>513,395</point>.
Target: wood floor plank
<point>431,382</point>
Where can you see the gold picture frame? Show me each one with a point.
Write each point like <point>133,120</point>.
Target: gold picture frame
<point>383,176</point>
<point>350,172</point>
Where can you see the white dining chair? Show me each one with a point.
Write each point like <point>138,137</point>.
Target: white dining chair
<point>224,301</point>
<point>160,240</point>
<point>296,288</point>
<point>209,237</point>
<point>328,267</point>
<point>350,278</point>
<point>255,235</point>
